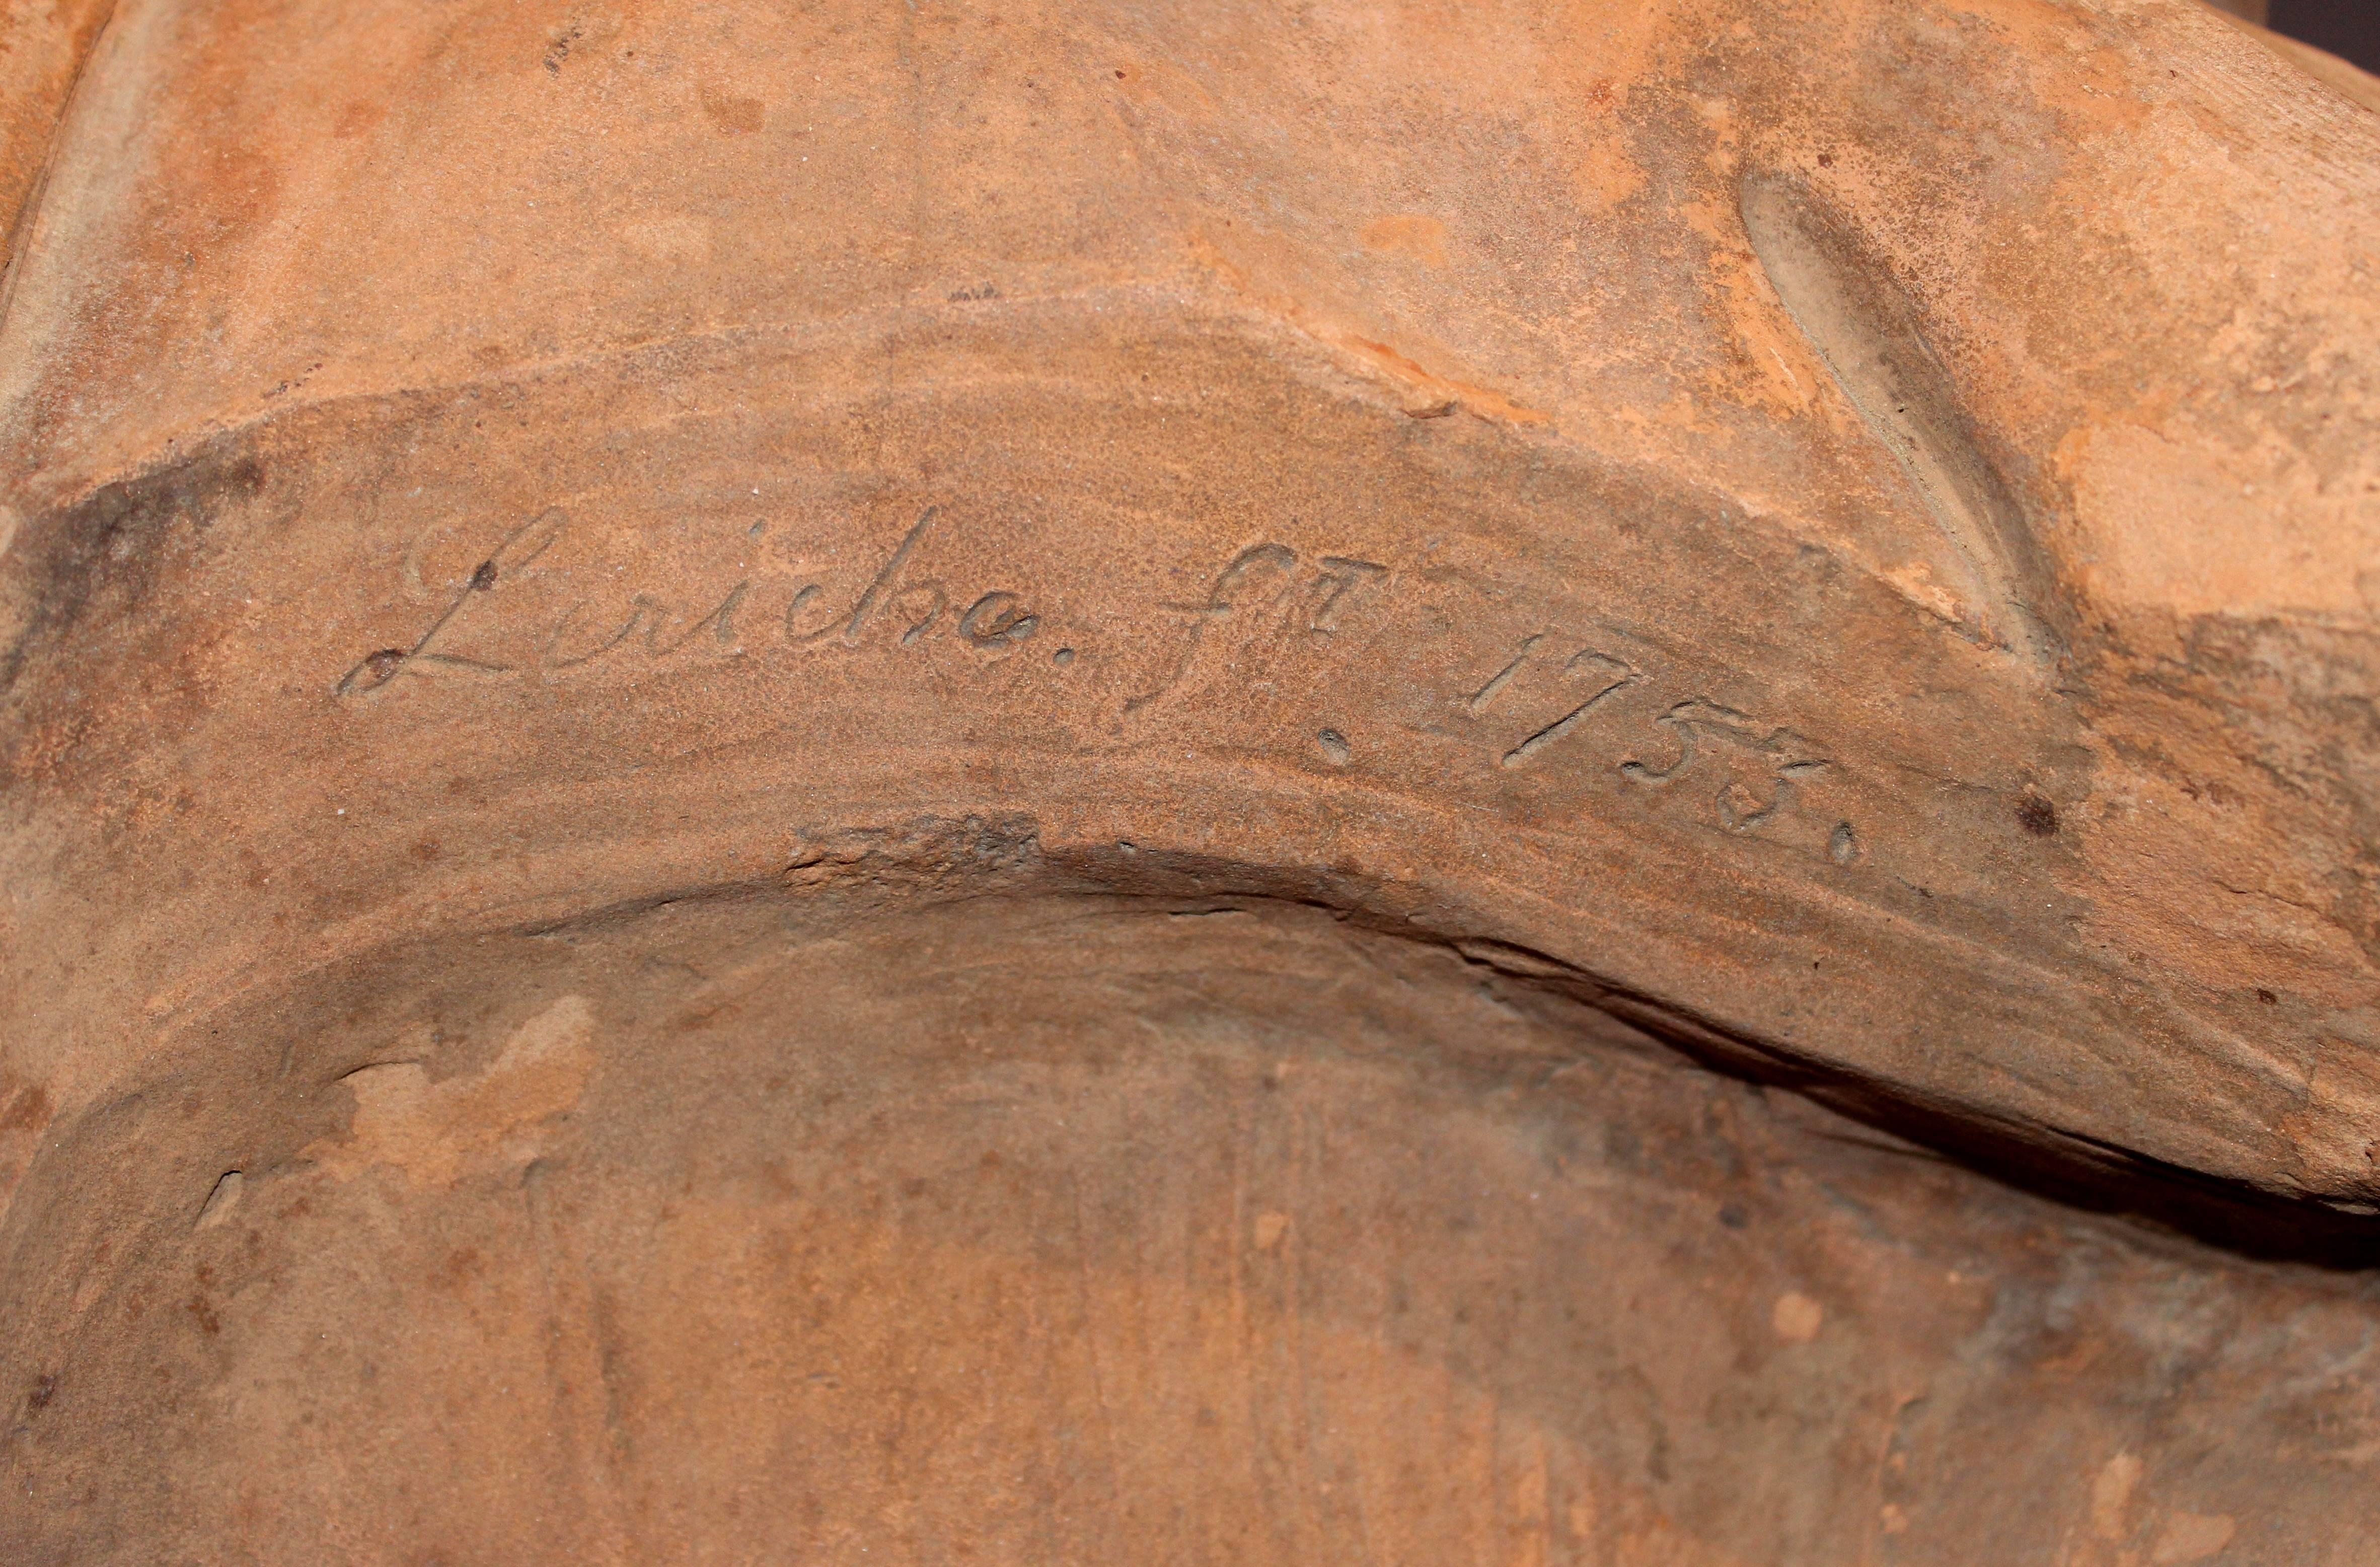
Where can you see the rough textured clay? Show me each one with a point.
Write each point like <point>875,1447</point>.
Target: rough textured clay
<point>1374,782</point>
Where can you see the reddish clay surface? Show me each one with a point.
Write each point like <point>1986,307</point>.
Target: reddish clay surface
<point>921,784</point>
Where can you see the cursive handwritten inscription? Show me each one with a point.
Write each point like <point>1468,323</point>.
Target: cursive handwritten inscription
<point>1605,675</point>
<point>1483,698</point>
<point>1342,580</point>
<point>652,616</point>
<point>1701,727</point>
<point>1264,587</point>
<point>997,620</point>
<point>491,603</point>
<point>1710,738</point>
<point>885,590</point>
<point>1560,699</point>
<point>519,547</point>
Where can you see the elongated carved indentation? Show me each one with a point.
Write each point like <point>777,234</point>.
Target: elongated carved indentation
<point>1609,675</point>
<point>521,546</point>
<point>1867,331</point>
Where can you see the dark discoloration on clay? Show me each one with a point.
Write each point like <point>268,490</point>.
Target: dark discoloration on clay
<point>102,557</point>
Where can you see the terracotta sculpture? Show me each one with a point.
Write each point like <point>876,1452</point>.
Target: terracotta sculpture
<point>1186,782</point>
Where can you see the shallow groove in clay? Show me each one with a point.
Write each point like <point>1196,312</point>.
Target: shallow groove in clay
<point>1865,330</point>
